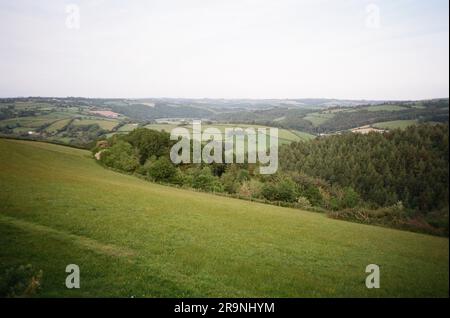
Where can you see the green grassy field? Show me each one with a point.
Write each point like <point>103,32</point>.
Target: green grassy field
<point>318,119</point>
<point>33,121</point>
<point>400,124</point>
<point>128,127</point>
<point>104,124</point>
<point>58,125</point>
<point>284,135</point>
<point>390,108</point>
<point>134,238</point>
<point>33,105</point>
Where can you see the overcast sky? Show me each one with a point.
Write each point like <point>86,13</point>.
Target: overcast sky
<point>385,49</point>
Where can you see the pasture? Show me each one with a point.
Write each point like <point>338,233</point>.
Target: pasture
<point>131,237</point>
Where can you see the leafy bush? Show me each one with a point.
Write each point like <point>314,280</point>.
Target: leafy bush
<point>303,203</point>
<point>283,190</point>
<point>439,219</point>
<point>286,191</point>
<point>148,142</point>
<point>313,195</point>
<point>230,182</point>
<point>255,188</point>
<point>269,191</point>
<point>204,180</point>
<point>162,170</point>
<point>385,215</point>
<point>393,216</point>
<point>120,156</point>
<point>350,198</point>
<point>22,281</point>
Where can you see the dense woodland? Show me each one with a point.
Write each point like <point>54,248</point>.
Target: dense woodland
<point>409,166</point>
<point>398,179</point>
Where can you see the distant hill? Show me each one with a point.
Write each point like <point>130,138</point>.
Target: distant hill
<point>79,121</point>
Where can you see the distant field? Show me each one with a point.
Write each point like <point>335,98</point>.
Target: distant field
<point>58,125</point>
<point>284,135</point>
<point>165,127</point>
<point>128,127</point>
<point>105,124</point>
<point>33,105</point>
<point>392,108</point>
<point>32,121</point>
<point>318,119</point>
<point>22,130</point>
<point>134,238</point>
<point>302,135</point>
<point>401,124</point>
<point>47,116</point>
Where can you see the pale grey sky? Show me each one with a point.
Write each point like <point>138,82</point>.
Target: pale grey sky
<point>379,49</point>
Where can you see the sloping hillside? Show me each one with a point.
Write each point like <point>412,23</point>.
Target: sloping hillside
<point>134,238</point>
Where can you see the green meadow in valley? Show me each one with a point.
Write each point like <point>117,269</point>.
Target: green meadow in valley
<point>131,237</point>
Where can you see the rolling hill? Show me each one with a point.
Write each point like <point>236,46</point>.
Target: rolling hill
<point>135,238</point>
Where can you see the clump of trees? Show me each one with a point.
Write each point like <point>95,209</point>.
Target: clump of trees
<point>83,134</point>
<point>409,166</point>
<point>398,178</point>
<point>120,156</point>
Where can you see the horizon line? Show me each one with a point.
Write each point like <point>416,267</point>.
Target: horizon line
<point>232,98</point>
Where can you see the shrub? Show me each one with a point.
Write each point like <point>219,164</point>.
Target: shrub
<point>162,170</point>
<point>255,188</point>
<point>394,216</point>
<point>350,198</point>
<point>251,189</point>
<point>303,203</point>
<point>269,191</point>
<point>286,191</point>
<point>229,182</point>
<point>149,143</point>
<point>439,219</point>
<point>244,190</point>
<point>283,190</point>
<point>186,179</point>
<point>243,175</point>
<point>204,180</point>
<point>312,193</point>
<point>120,156</point>
<point>23,281</point>
<point>385,215</point>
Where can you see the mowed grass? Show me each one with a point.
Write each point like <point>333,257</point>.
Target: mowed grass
<point>134,238</point>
